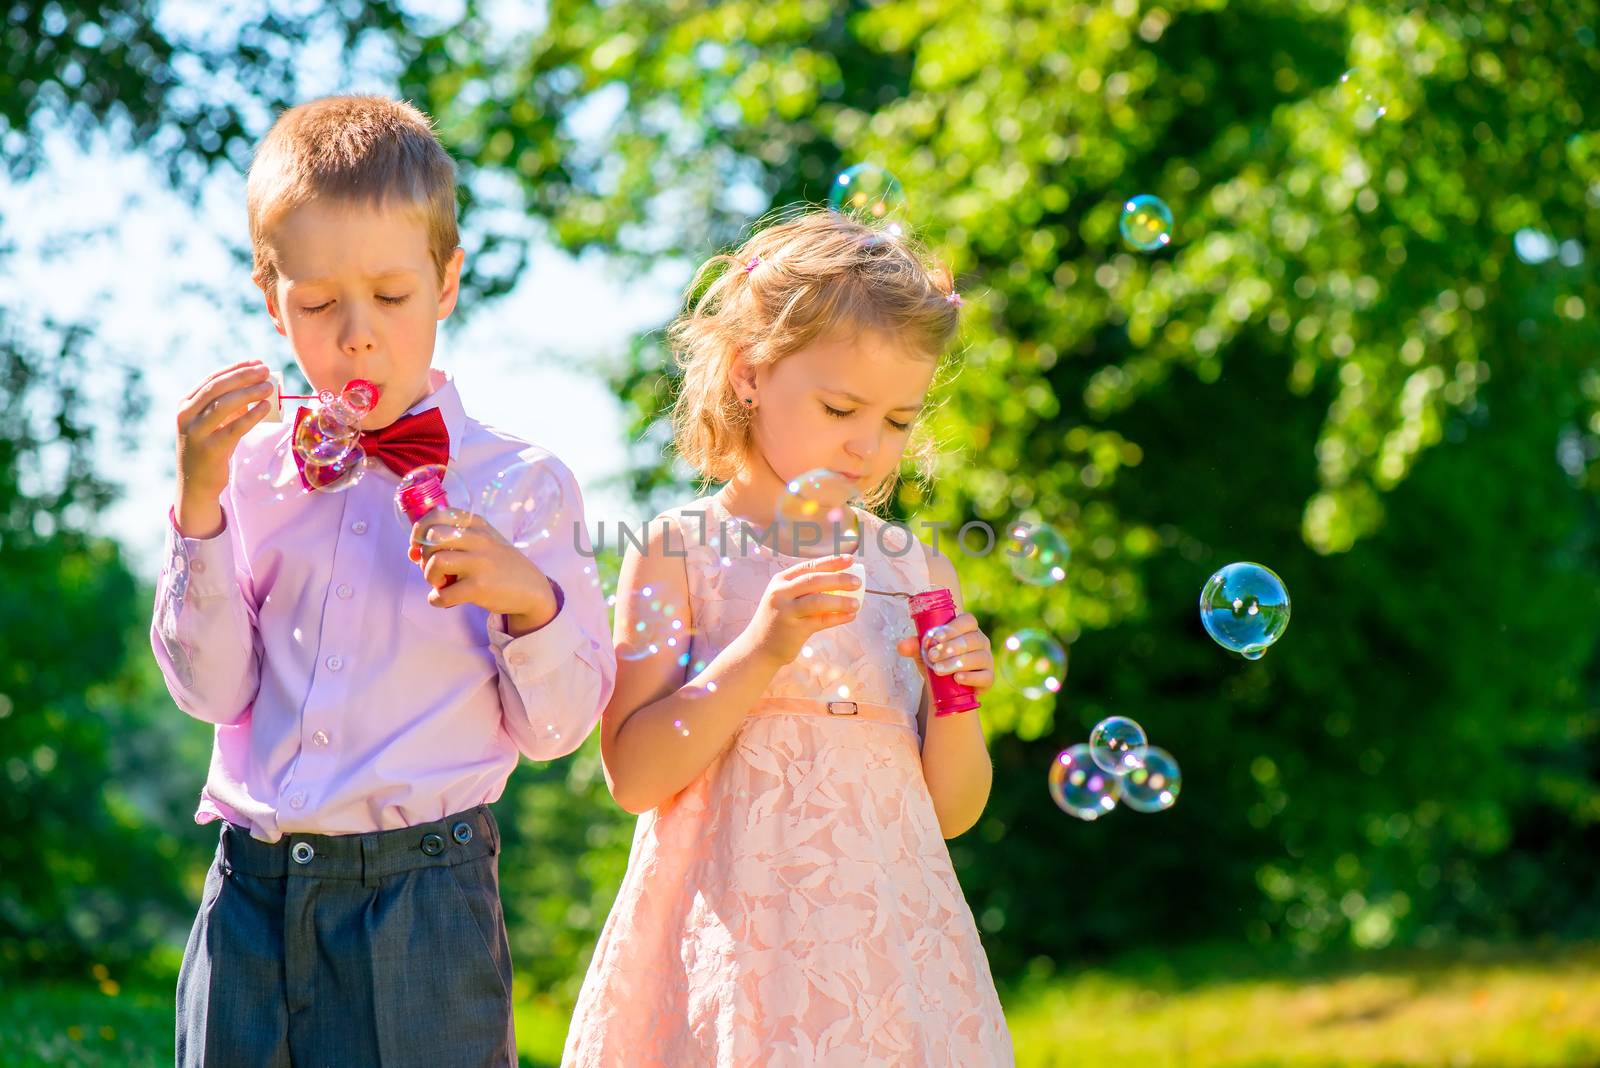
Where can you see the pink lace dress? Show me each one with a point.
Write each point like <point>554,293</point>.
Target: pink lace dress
<point>795,904</point>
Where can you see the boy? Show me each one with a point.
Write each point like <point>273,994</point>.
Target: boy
<point>371,685</point>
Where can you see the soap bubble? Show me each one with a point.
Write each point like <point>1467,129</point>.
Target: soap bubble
<point>338,475</point>
<point>1033,663</point>
<point>523,501</point>
<point>1146,223</point>
<point>1155,785</point>
<point>1360,98</point>
<point>434,488</point>
<point>1118,744</point>
<point>870,194</point>
<point>1080,787</point>
<point>656,625</point>
<point>321,438</point>
<point>815,517</point>
<point>1245,608</point>
<point>1037,553</point>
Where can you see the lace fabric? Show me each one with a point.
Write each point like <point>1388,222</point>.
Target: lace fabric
<point>796,905</point>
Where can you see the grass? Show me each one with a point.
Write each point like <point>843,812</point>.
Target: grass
<point>1502,1008</point>
<point>1490,1008</point>
<point>85,1026</point>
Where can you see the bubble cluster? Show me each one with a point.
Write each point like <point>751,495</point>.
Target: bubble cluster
<point>1140,776</point>
<point>327,439</point>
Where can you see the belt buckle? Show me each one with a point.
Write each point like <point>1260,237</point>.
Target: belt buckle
<point>841,708</point>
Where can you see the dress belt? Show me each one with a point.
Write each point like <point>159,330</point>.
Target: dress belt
<point>806,706</point>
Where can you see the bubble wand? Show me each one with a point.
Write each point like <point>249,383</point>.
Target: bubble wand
<point>362,396</point>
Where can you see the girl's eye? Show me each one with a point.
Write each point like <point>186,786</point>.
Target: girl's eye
<point>315,308</point>
<point>394,300</point>
<point>899,426</point>
<point>836,413</point>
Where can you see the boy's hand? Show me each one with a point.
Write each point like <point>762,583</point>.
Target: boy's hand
<point>801,600</point>
<point>956,648</point>
<point>211,420</point>
<point>488,571</point>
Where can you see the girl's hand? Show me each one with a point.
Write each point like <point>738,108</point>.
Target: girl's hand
<point>956,648</point>
<point>799,601</point>
<point>467,561</point>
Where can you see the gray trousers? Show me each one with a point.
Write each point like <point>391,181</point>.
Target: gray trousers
<point>348,951</point>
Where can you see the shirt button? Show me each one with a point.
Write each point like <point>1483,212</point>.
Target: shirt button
<point>198,567</point>
<point>335,663</point>
<point>297,801</point>
<point>344,591</point>
<point>319,739</point>
<point>359,526</point>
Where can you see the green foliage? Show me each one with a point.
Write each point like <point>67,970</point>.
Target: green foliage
<point>80,724</point>
<point>188,95</point>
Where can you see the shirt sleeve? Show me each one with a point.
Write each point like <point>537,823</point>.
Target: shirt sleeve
<point>555,681</point>
<point>204,629</point>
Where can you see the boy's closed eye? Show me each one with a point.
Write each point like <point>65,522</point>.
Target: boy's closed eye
<point>394,301</point>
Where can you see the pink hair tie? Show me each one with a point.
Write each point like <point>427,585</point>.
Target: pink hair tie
<point>953,297</point>
<point>755,261</point>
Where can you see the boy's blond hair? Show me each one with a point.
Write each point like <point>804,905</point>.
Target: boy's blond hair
<point>787,286</point>
<point>364,149</point>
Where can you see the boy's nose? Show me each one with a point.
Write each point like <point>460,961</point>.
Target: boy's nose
<point>356,336</point>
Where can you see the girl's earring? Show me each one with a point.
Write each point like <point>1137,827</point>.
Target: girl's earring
<point>749,402</point>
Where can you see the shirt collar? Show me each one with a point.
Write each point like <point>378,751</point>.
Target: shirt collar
<point>443,396</point>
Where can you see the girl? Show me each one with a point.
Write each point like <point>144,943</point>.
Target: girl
<point>790,899</point>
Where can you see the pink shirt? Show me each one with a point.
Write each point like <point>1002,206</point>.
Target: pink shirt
<point>343,701</point>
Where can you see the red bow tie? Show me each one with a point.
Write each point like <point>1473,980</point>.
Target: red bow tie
<point>403,445</point>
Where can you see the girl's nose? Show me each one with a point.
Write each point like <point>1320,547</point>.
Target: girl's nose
<point>863,448</point>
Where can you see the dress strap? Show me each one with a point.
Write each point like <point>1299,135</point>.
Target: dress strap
<point>806,706</point>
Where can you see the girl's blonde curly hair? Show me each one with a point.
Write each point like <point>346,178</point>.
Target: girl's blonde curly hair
<point>789,284</point>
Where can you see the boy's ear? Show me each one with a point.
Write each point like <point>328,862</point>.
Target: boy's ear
<point>271,295</point>
<point>451,290</point>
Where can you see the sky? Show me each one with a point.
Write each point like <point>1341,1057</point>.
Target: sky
<point>97,236</point>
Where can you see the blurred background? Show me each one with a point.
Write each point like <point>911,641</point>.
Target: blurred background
<point>1367,359</point>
